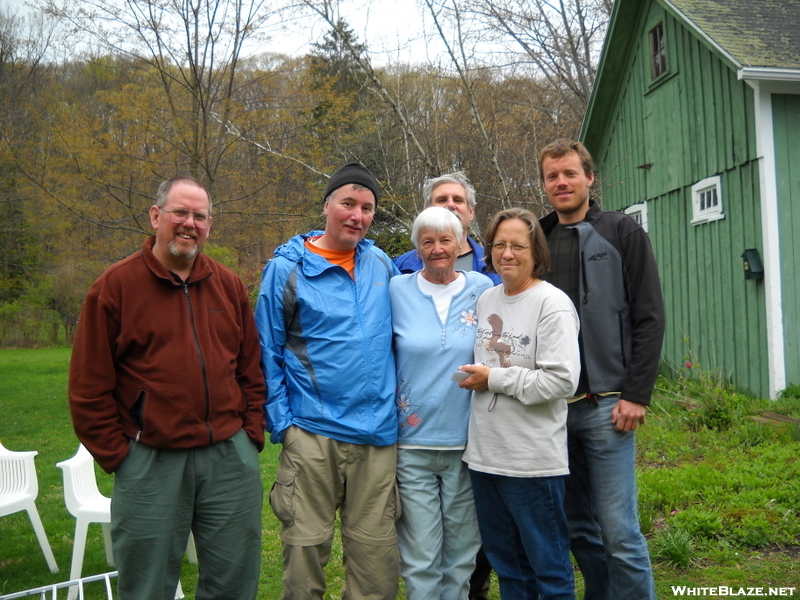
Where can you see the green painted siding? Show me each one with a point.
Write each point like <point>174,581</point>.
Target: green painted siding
<point>786,120</point>
<point>694,122</point>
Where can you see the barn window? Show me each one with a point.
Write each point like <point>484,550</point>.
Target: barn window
<point>639,214</point>
<point>658,55</point>
<point>707,200</point>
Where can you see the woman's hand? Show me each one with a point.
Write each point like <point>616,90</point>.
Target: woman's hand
<point>478,381</point>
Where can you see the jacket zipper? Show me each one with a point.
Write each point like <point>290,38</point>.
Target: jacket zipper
<point>583,277</point>
<point>202,362</point>
<point>370,407</point>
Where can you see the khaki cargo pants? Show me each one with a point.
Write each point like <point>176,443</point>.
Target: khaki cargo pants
<point>318,476</point>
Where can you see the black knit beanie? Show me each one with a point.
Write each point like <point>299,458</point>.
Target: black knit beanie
<point>352,173</point>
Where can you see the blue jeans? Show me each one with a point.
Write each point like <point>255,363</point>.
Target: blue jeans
<point>601,505</point>
<point>438,530</point>
<point>525,535</point>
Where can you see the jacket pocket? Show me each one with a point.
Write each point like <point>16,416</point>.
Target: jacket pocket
<point>137,409</point>
<point>395,505</point>
<point>243,404</point>
<point>281,496</point>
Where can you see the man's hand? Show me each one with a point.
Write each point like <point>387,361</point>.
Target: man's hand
<point>627,416</point>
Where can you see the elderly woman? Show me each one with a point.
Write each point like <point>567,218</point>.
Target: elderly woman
<point>433,319</point>
<point>527,358</point>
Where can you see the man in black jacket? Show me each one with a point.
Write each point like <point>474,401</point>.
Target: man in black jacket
<point>604,262</point>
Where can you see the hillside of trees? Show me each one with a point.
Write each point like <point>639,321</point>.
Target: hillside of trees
<point>100,101</point>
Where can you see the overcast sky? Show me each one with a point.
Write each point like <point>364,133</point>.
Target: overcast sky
<point>392,29</point>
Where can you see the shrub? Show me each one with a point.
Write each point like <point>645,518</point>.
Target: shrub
<point>673,546</point>
<point>749,434</point>
<point>793,391</point>
<point>749,528</point>
<point>699,523</point>
<point>662,491</point>
<point>647,518</point>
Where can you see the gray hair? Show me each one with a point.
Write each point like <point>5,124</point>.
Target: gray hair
<point>458,177</point>
<point>166,186</point>
<point>438,220</point>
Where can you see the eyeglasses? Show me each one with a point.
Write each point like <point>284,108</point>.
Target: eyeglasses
<point>515,248</point>
<point>179,216</point>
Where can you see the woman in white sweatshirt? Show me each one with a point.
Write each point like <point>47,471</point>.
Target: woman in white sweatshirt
<point>527,363</point>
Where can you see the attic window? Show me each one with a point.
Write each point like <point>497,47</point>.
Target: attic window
<point>707,200</point>
<point>658,55</point>
<point>639,214</point>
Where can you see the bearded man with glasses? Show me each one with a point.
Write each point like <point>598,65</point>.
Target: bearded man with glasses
<point>166,392</point>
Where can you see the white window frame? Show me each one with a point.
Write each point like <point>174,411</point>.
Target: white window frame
<point>639,213</point>
<point>700,193</point>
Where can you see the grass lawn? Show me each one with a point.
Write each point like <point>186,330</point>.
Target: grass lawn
<point>719,493</point>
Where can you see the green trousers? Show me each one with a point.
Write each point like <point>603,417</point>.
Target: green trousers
<point>160,494</point>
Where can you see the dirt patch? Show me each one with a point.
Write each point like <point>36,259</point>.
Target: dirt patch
<point>792,551</point>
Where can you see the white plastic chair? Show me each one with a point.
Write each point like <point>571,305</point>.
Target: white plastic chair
<point>81,586</point>
<point>52,589</point>
<point>85,502</point>
<point>19,487</point>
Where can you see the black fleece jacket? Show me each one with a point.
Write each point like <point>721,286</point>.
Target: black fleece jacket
<point>621,305</point>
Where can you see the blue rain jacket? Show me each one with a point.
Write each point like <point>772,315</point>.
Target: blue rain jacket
<point>326,344</point>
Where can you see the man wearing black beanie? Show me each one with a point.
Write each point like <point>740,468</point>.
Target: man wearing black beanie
<point>352,173</point>
<point>324,319</point>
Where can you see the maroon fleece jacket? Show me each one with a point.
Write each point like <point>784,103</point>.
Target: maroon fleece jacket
<point>168,363</point>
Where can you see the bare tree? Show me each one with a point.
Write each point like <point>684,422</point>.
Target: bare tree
<point>561,38</point>
<point>461,62</point>
<point>193,47</point>
<point>326,10</point>
<point>24,43</point>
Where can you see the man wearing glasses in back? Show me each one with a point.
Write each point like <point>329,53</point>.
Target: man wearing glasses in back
<point>166,392</point>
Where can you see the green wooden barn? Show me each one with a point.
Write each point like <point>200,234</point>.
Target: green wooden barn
<point>694,125</point>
